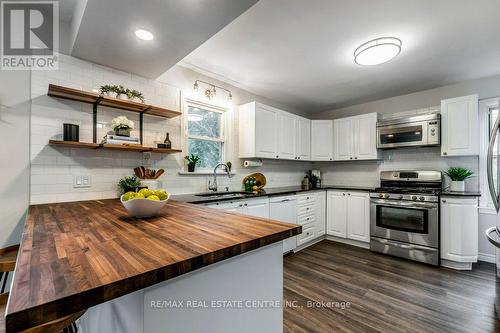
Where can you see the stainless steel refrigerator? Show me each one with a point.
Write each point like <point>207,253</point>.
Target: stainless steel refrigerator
<point>493,172</point>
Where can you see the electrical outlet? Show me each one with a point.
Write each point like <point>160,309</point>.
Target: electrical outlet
<point>80,181</point>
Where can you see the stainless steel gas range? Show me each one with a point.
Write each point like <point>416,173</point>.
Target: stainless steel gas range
<point>404,215</point>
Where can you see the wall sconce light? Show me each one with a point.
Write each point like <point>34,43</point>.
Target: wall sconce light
<point>211,91</point>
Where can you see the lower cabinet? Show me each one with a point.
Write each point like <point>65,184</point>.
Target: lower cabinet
<point>459,232</point>
<point>348,215</point>
<point>253,207</point>
<point>311,216</point>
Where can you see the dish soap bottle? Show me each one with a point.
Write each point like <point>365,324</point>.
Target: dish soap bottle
<point>167,142</point>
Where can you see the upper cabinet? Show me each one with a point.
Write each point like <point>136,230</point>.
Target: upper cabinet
<point>287,127</point>
<point>258,135</point>
<point>355,138</point>
<point>303,139</point>
<point>321,140</point>
<point>460,126</point>
<point>267,132</point>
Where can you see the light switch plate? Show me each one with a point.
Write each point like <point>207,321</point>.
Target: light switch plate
<point>80,181</point>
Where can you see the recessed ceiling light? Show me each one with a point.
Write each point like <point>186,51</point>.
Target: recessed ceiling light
<point>144,34</point>
<point>377,51</point>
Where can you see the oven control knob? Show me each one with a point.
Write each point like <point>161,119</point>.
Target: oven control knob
<point>414,197</point>
<point>380,195</point>
<point>400,197</point>
<point>422,198</point>
<point>387,196</point>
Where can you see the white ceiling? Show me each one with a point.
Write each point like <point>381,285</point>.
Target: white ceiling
<point>105,34</point>
<point>299,52</point>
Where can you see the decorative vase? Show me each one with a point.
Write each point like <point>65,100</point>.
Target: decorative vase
<point>457,186</point>
<point>111,94</point>
<point>123,132</point>
<point>191,167</point>
<point>122,96</point>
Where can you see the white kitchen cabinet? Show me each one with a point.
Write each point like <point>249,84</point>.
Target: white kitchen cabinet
<point>287,136</point>
<point>460,126</point>
<point>459,232</point>
<point>320,213</point>
<point>258,134</point>
<point>358,216</point>
<point>355,138</point>
<point>303,139</point>
<point>253,207</point>
<point>256,207</point>
<point>343,130</point>
<point>321,140</point>
<point>365,137</point>
<point>336,214</point>
<point>348,215</point>
<point>311,215</point>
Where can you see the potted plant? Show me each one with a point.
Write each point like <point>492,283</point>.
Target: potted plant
<point>122,92</point>
<point>192,160</point>
<point>122,126</point>
<point>129,184</point>
<point>109,90</point>
<point>135,96</point>
<point>458,175</point>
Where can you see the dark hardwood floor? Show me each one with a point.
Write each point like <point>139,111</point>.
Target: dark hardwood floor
<point>378,293</point>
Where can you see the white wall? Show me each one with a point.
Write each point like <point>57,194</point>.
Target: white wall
<point>14,154</point>
<point>53,168</point>
<point>367,173</point>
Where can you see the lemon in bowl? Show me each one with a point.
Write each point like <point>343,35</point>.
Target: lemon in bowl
<point>145,203</point>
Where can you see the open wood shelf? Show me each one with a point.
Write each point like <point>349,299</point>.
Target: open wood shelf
<point>95,98</point>
<point>72,144</point>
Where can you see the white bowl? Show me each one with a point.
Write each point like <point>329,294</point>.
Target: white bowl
<point>142,208</point>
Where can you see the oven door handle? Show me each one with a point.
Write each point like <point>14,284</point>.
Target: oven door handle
<point>402,246</point>
<point>405,204</point>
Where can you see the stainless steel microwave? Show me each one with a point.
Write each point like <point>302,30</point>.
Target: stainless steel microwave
<point>409,132</point>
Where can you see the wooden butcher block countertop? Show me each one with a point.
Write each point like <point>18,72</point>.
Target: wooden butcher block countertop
<point>79,254</point>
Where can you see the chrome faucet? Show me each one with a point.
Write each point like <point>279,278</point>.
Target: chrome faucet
<point>213,186</point>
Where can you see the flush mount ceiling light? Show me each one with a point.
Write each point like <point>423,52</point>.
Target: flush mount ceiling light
<point>377,51</point>
<point>144,34</point>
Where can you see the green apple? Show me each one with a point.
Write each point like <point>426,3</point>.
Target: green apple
<point>146,192</point>
<point>154,197</point>
<point>129,195</point>
<point>139,195</point>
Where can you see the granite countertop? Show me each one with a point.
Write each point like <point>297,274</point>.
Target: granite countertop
<point>79,254</point>
<point>273,191</point>
<point>461,194</point>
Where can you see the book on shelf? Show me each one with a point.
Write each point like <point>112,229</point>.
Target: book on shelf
<point>120,142</point>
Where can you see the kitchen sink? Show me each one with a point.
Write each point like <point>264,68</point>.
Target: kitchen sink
<point>223,194</point>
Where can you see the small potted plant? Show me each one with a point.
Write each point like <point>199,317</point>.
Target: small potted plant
<point>192,160</point>
<point>135,96</point>
<point>122,92</point>
<point>458,175</point>
<point>106,90</point>
<point>129,184</point>
<point>122,126</point>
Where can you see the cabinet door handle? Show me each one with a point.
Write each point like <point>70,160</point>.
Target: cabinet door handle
<point>355,158</point>
<point>343,194</point>
<point>245,205</point>
<point>445,153</point>
<point>298,158</point>
<point>348,193</point>
<point>277,156</point>
<point>443,201</point>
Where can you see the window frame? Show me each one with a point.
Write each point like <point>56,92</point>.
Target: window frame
<point>222,139</point>
<point>485,106</point>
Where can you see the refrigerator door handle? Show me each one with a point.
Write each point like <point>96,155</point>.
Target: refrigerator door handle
<point>489,166</point>
<point>490,238</point>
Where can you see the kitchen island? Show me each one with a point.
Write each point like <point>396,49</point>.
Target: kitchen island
<point>75,256</point>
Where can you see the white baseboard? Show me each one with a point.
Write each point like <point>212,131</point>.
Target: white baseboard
<point>314,241</point>
<point>348,241</point>
<point>486,257</point>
